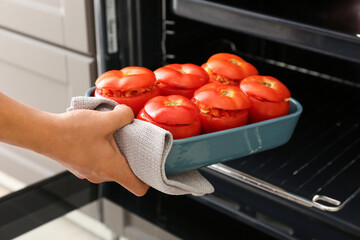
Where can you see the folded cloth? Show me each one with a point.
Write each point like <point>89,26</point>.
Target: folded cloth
<point>145,147</point>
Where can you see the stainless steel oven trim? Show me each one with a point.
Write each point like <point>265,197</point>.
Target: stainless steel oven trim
<point>334,205</point>
<point>99,37</point>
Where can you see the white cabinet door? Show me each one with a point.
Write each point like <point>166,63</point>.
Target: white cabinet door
<point>45,77</point>
<point>68,23</point>
<point>40,74</point>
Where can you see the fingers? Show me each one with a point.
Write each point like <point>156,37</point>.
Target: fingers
<point>141,191</point>
<point>119,117</point>
<point>123,175</point>
<point>116,167</point>
<point>77,174</point>
<point>137,188</point>
<point>130,181</point>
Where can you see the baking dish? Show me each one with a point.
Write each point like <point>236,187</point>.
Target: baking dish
<point>206,149</point>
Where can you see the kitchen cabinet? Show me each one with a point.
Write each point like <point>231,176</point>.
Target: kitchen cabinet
<point>66,23</point>
<point>47,56</point>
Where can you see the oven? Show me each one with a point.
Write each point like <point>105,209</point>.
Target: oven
<point>308,188</point>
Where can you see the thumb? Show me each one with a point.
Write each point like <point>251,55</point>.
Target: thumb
<point>120,116</point>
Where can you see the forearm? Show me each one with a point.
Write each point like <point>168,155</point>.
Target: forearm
<point>24,126</point>
<point>82,140</point>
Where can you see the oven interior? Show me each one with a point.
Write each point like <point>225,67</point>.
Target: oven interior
<point>322,158</point>
<point>320,164</point>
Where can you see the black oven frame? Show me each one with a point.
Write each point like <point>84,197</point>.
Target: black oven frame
<point>236,203</point>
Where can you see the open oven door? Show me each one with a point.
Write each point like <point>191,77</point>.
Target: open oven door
<point>42,202</point>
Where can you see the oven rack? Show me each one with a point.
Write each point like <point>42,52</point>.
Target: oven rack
<point>333,205</point>
<point>319,167</point>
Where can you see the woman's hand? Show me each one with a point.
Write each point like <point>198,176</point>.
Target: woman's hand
<point>86,147</point>
<point>81,140</point>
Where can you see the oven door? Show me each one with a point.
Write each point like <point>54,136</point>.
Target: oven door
<point>73,208</point>
<point>42,202</point>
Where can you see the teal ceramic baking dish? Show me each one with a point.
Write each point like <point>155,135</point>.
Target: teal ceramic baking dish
<point>203,150</point>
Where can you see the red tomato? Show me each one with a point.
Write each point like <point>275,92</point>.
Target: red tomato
<point>269,97</point>
<point>221,107</point>
<point>167,90</point>
<point>132,86</point>
<point>228,68</point>
<point>174,113</point>
<point>180,79</point>
<point>211,123</point>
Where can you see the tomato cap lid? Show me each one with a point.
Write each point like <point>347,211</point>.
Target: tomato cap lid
<point>230,66</point>
<point>173,109</point>
<point>188,75</point>
<point>129,78</point>
<point>222,96</point>
<point>265,88</point>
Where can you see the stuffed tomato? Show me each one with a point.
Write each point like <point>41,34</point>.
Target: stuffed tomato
<point>269,97</point>
<point>175,113</point>
<point>180,79</point>
<point>221,107</point>
<point>132,86</point>
<point>228,69</point>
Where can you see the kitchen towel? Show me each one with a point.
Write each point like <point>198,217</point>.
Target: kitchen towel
<point>146,147</point>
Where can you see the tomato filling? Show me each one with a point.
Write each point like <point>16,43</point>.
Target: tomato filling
<point>114,93</point>
<point>221,79</point>
<point>183,71</point>
<point>266,84</point>
<point>173,103</point>
<point>215,112</point>
<point>234,61</point>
